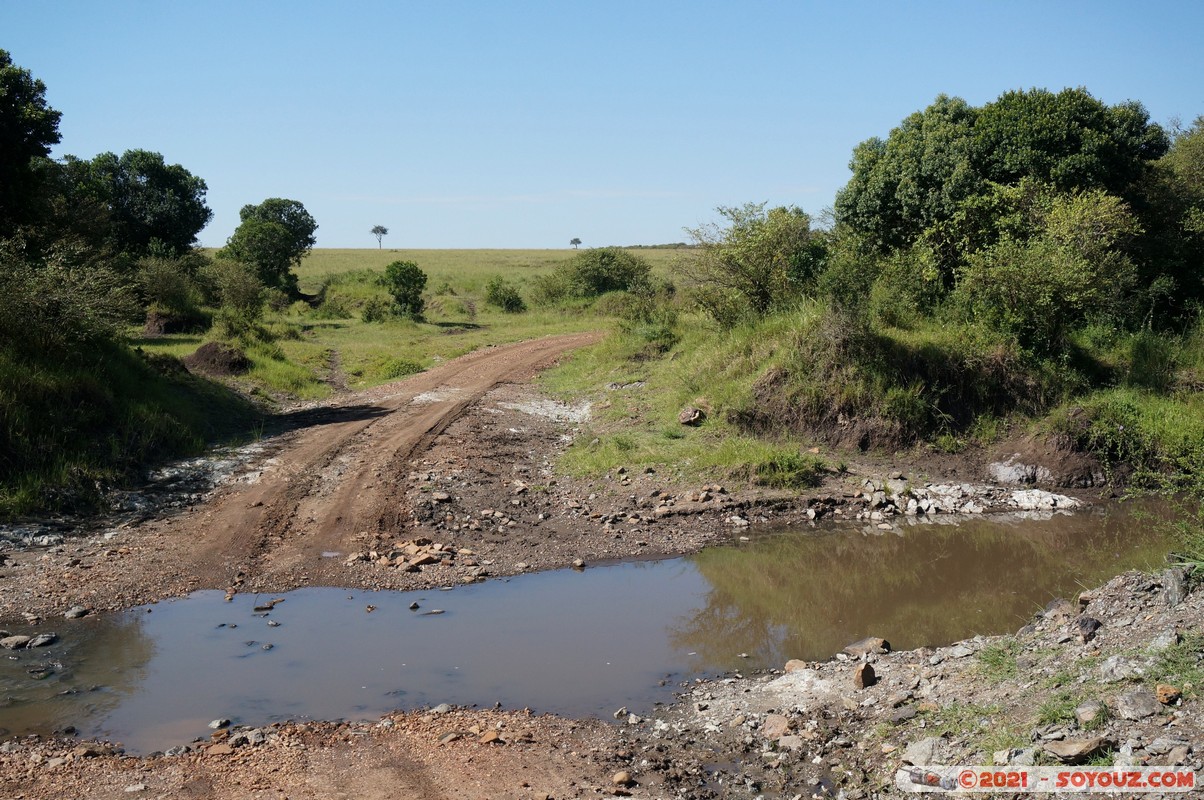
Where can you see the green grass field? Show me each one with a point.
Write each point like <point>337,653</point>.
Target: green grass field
<point>455,267</point>
<point>311,349</point>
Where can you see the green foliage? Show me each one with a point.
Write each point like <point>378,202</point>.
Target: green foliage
<point>170,285</point>
<point>54,304</point>
<point>754,261</point>
<point>997,661</point>
<point>1058,708</point>
<point>380,232</point>
<point>1181,663</point>
<point>1153,359</point>
<point>74,424</point>
<point>913,179</point>
<point>907,287</point>
<point>791,471</point>
<point>1159,438</point>
<point>268,247</point>
<point>1068,139</point>
<point>394,368</point>
<point>154,208</point>
<point>1074,267</point>
<point>504,295</point>
<point>377,309</point>
<point>405,282</point>
<point>28,128</point>
<point>939,158</point>
<point>591,273</point>
<point>236,289</point>
<point>291,214</point>
<point>273,237</point>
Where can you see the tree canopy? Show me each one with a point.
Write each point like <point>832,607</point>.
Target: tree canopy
<point>28,129</point>
<point>290,214</point>
<point>916,181</point>
<point>266,246</point>
<point>153,205</point>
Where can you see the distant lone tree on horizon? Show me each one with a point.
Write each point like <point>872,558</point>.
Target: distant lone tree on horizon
<point>380,232</point>
<point>575,242</point>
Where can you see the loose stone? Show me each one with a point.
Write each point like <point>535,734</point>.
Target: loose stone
<point>1137,705</point>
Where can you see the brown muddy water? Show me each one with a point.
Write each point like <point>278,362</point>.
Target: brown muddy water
<point>574,643</point>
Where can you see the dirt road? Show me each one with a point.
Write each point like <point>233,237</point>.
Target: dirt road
<point>340,477</point>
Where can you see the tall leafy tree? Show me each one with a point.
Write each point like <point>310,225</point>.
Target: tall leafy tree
<point>1069,139</point>
<point>914,178</point>
<point>912,184</point>
<point>292,216</point>
<point>28,129</point>
<point>268,247</point>
<point>154,206</point>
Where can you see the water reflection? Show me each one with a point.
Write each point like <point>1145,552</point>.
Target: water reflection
<point>573,643</point>
<point>807,596</point>
<point>96,665</point>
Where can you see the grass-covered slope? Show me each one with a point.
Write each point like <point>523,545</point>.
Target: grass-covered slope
<point>72,425</point>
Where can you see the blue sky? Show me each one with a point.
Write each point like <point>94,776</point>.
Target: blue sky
<point>525,124</point>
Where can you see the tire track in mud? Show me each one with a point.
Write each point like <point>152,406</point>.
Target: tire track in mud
<point>346,475</point>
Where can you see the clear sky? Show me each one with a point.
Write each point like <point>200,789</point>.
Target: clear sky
<point>525,124</point>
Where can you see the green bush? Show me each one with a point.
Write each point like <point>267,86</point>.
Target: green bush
<point>501,293</point>
<point>394,368</point>
<point>907,288</point>
<point>235,286</point>
<point>333,306</point>
<point>755,261</point>
<point>791,471</point>
<point>57,303</point>
<point>591,273</point>
<point>1152,361</point>
<point>169,286</point>
<point>405,281</point>
<point>377,309</point>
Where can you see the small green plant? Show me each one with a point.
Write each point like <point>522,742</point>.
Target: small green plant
<point>791,471</point>
<point>1182,662</point>
<point>1099,721</point>
<point>997,662</point>
<point>1003,737</point>
<point>1058,708</point>
<point>395,368</point>
<point>963,718</point>
<point>1062,678</point>
<point>503,294</point>
<point>376,309</point>
<point>949,444</point>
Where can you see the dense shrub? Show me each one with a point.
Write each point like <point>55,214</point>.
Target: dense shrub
<point>591,273</point>
<point>55,303</point>
<point>405,282</point>
<point>503,294</point>
<point>755,261</point>
<point>376,309</point>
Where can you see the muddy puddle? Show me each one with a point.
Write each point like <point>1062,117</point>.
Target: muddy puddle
<point>575,643</point>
